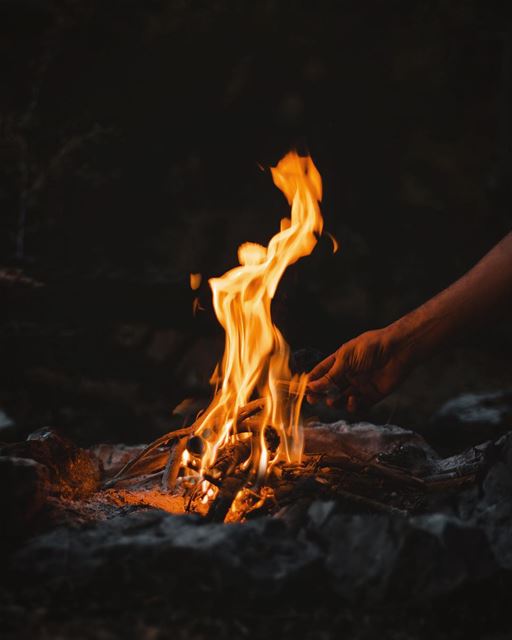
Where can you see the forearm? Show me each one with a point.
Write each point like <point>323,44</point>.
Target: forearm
<point>460,307</point>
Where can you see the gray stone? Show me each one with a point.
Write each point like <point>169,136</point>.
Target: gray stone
<point>25,486</point>
<point>133,551</point>
<point>72,471</point>
<point>152,549</point>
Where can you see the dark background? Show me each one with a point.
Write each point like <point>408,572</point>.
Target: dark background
<point>131,135</point>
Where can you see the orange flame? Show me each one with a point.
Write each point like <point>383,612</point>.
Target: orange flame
<point>255,360</point>
<point>335,243</point>
<point>195,281</point>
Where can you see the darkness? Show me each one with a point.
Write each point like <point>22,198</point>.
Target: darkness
<point>132,140</point>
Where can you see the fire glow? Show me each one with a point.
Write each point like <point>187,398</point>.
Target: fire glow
<point>252,427</point>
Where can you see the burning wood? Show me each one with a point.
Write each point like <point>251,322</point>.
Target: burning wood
<point>386,470</point>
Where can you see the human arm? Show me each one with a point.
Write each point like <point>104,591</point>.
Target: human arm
<point>367,368</point>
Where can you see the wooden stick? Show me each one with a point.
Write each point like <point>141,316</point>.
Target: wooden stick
<point>250,409</point>
<point>163,440</point>
<point>153,464</point>
<point>369,503</point>
<point>377,468</point>
<point>224,499</point>
<point>401,477</point>
<point>172,467</point>
<point>446,481</point>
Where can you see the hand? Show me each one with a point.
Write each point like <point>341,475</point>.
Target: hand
<point>362,371</point>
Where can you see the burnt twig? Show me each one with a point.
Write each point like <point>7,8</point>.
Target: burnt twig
<point>172,467</point>
<point>162,441</point>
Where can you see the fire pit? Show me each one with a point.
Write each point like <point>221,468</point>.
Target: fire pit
<point>244,454</point>
<point>374,517</point>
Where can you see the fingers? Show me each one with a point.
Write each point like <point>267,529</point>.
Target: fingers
<point>338,382</point>
<point>328,380</point>
<point>350,377</point>
<point>348,400</point>
<point>360,395</point>
<point>323,389</point>
<point>319,382</point>
<point>322,368</point>
<point>321,385</point>
<point>330,393</point>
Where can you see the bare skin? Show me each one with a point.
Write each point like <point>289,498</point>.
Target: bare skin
<point>368,368</point>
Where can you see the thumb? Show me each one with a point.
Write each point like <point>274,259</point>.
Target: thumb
<point>319,379</point>
<point>331,377</point>
<point>321,385</point>
<point>322,367</point>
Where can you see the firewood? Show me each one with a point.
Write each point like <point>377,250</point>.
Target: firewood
<point>224,499</point>
<point>151,464</point>
<point>369,504</point>
<point>447,481</point>
<point>250,409</point>
<point>172,467</point>
<point>397,475</point>
<point>162,441</point>
<point>195,445</point>
<point>342,460</point>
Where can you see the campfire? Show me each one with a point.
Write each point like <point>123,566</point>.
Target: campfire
<point>246,454</point>
<point>250,452</point>
<point>230,459</point>
<point>369,512</point>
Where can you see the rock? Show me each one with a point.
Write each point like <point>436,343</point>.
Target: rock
<point>363,558</point>
<point>492,507</point>
<point>7,426</point>
<point>368,442</point>
<point>474,417</point>
<point>72,472</point>
<point>378,558</point>
<point>125,551</point>
<point>460,554</point>
<point>494,408</point>
<point>155,552</point>
<point>24,487</point>
<point>112,457</point>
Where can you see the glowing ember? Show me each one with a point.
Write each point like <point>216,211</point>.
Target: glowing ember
<point>255,361</point>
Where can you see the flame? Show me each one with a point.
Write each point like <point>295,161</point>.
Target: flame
<point>195,281</point>
<point>255,360</point>
<point>335,243</point>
